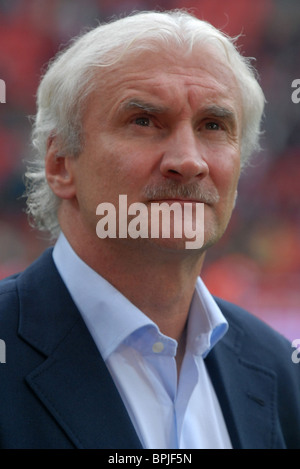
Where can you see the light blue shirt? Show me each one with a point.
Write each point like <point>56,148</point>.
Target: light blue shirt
<point>167,412</point>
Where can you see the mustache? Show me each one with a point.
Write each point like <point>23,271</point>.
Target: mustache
<point>174,190</point>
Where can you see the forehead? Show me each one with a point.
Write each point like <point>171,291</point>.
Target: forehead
<point>171,77</point>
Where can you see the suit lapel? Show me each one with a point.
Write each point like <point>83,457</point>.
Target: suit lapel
<point>246,392</point>
<point>73,381</point>
<point>77,389</point>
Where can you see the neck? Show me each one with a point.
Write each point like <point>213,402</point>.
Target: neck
<point>157,279</point>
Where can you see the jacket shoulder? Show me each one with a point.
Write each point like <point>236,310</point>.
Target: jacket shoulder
<point>255,341</point>
<point>9,302</point>
<point>10,288</point>
<point>250,325</point>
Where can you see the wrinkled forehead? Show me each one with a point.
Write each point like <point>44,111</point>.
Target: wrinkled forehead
<point>204,65</point>
<point>152,58</point>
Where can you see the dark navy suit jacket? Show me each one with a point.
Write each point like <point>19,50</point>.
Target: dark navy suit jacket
<point>56,392</point>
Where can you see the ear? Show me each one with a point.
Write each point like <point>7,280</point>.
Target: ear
<point>59,171</point>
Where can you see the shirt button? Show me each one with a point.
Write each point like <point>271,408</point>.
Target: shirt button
<point>158,347</point>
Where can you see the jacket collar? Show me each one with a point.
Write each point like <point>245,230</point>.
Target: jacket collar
<point>74,376</point>
<point>246,390</point>
<point>73,381</point>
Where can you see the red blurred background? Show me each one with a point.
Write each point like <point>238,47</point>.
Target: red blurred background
<point>257,263</point>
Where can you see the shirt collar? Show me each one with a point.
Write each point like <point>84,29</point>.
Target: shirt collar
<point>112,319</point>
<point>207,325</point>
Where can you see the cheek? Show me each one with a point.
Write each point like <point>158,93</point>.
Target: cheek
<point>116,169</point>
<point>226,176</point>
<point>127,167</point>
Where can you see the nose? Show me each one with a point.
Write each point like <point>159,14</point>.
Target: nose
<point>183,159</point>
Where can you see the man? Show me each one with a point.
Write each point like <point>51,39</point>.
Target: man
<point>112,339</point>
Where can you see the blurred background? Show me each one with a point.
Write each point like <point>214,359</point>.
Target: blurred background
<point>257,263</point>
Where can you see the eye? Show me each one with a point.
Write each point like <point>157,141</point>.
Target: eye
<point>212,126</point>
<point>142,121</point>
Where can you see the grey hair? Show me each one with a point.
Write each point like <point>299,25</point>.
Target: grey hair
<point>68,82</point>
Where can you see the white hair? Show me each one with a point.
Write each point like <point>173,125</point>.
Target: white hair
<point>69,80</point>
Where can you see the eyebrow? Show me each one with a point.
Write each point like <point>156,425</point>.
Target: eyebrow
<point>143,105</point>
<point>213,110</point>
<point>220,111</point>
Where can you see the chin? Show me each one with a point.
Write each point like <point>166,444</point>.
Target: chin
<point>175,245</point>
